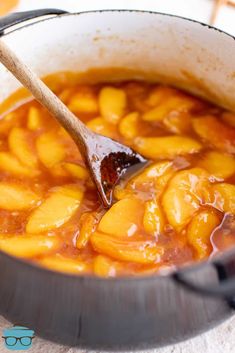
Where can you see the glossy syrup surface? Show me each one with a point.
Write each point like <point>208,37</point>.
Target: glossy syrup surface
<point>178,210</point>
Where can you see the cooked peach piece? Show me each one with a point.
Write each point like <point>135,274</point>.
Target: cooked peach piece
<point>186,191</point>
<point>102,127</point>
<point>123,219</point>
<point>200,230</point>
<point>29,246</point>
<point>154,219</point>
<point>7,122</point>
<point>156,114</point>
<point>157,175</point>
<point>65,95</point>
<point>128,126</point>
<point>65,264</point>
<point>167,106</point>
<point>105,267</point>
<point>120,192</point>
<point>151,174</point>
<point>152,179</point>
<point>179,207</point>
<point>112,103</point>
<point>19,146</point>
<point>88,224</point>
<point>56,210</point>
<point>166,147</point>
<point>178,123</point>
<point>11,165</point>
<point>216,133</point>
<point>16,197</point>
<point>83,102</point>
<point>223,195</point>
<point>218,164</point>
<point>125,250</point>
<point>162,181</point>
<point>34,119</point>
<point>76,170</point>
<point>159,94</point>
<point>59,171</point>
<point>50,150</point>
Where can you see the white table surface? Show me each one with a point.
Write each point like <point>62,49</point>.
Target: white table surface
<point>222,338</point>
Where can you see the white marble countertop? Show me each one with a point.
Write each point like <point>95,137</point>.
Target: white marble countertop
<point>222,338</point>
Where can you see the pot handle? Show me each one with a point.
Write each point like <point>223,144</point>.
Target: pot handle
<point>19,17</point>
<point>224,270</point>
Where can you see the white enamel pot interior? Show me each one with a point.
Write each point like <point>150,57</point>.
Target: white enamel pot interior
<point>161,47</point>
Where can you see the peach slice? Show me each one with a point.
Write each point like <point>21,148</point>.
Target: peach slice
<point>6,123</point>
<point>63,264</point>
<point>178,123</point>
<point>58,171</point>
<point>50,150</point>
<point>112,103</point>
<point>76,171</point>
<point>215,133</point>
<point>200,230</point>
<point>120,192</point>
<point>16,197</point>
<point>56,210</point>
<point>102,127</point>
<point>152,178</point>
<point>105,267</point>
<point>159,94</point>
<point>223,195</point>
<point>218,164</point>
<point>156,174</point>
<point>29,246</point>
<point>83,102</point>
<point>123,219</point>
<point>125,250</point>
<point>128,126</point>
<point>88,224</point>
<point>173,103</point>
<point>20,147</point>
<point>186,191</point>
<point>166,147</point>
<point>151,174</point>
<point>34,119</point>
<point>154,219</point>
<point>10,164</point>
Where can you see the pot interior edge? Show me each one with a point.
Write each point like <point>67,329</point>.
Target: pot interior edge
<point>157,47</point>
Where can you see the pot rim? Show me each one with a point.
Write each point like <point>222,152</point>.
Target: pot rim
<point>51,17</point>
<point>185,268</point>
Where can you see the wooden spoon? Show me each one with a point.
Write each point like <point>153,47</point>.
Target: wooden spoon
<point>106,159</point>
<point>216,7</point>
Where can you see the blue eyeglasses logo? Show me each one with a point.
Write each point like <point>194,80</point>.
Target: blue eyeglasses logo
<point>18,338</point>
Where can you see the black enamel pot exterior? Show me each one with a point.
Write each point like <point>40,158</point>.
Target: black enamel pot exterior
<point>122,313</point>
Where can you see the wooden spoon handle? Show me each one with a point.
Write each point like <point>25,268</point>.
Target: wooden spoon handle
<point>44,95</point>
<point>216,7</point>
